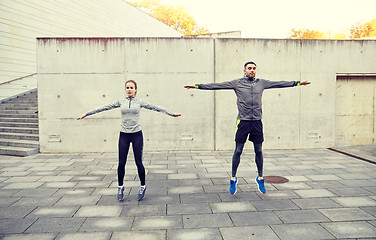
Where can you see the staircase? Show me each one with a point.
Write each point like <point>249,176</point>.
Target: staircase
<point>19,132</point>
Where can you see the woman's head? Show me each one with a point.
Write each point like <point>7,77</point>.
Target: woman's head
<point>131,88</point>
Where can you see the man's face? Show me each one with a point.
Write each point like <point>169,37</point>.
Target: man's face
<point>250,70</point>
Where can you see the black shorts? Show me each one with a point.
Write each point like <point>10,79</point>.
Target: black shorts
<point>253,128</point>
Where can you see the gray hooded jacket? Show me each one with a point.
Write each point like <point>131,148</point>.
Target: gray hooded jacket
<point>249,93</point>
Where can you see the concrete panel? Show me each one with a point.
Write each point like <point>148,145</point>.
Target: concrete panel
<point>161,67</point>
<point>71,135</point>
<point>355,130</point>
<point>353,56</point>
<point>193,130</point>
<point>71,95</point>
<point>169,55</point>
<point>80,55</point>
<point>64,97</point>
<point>317,100</point>
<point>355,113</point>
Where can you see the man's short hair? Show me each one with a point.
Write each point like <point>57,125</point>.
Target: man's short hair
<point>245,65</point>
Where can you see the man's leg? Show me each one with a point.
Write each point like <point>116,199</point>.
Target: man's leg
<point>236,158</point>
<point>259,163</point>
<point>259,158</point>
<point>235,164</point>
<point>240,139</point>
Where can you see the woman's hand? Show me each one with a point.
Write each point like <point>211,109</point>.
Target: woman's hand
<point>189,86</point>
<point>81,117</point>
<point>176,115</point>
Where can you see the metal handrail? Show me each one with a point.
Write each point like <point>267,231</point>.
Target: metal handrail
<point>18,78</point>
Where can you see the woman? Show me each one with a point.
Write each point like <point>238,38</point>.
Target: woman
<point>130,133</point>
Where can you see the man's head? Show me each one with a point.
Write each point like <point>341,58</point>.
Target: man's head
<point>250,69</point>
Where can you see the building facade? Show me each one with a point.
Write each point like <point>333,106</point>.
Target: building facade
<point>22,21</point>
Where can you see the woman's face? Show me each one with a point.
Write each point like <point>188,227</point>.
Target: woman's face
<point>130,89</point>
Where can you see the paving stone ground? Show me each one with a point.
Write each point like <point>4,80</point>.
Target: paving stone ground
<point>73,196</point>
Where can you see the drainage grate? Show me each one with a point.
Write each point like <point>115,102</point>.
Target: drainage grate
<point>275,179</point>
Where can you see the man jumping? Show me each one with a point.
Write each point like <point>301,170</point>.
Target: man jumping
<point>248,90</point>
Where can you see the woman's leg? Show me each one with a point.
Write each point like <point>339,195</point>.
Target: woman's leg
<point>138,145</point>
<point>124,141</point>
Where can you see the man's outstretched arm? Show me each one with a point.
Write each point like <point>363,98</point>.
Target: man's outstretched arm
<point>213,86</point>
<point>283,84</point>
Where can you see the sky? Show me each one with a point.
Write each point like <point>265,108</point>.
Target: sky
<point>276,18</point>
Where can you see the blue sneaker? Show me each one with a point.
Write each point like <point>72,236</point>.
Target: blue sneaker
<point>141,193</point>
<point>260,184</point>
<point>233,186</point>
<point>121,193</point>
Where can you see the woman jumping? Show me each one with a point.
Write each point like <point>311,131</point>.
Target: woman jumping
<point>130,133</point>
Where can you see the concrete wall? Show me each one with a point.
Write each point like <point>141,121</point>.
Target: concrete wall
<point>76,75</point>
<point>355,109</point>
<point>24,20</point>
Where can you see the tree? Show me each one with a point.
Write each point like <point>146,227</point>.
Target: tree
<point>175,17</point>
<point>358,31</point>
<point>365,30</point>
<point>306,34</point>
<point>336,35</point>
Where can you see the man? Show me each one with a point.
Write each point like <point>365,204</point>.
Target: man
<point>248,90</point>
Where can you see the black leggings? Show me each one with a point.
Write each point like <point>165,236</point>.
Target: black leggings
<point>258,158</point>
<point>137,141</point>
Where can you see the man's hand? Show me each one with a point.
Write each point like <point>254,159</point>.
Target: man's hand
<point>176,115</point>
<point>189,86</point>
<point>305,83</point>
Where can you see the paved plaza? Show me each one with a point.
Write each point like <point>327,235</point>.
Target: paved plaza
<point>329,195</point>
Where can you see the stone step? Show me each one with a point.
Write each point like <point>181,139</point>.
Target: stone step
<point>23,101</point>
<point>29,109</point>
<point>19,143</point>
<point>26,96</point>
<point>19,130</point>
<point>19,103</point>
<point>18,124</point>
<point>9,112</point>
<point>20,136</point>
<point>19,107</point>
<point>24,120</point>
<point>3,115</point>
<point>18,151</point>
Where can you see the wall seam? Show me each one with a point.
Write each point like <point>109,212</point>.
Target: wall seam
<point>300,98</point>
<point>214,100</point>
